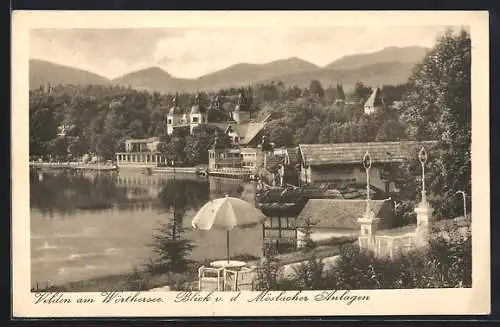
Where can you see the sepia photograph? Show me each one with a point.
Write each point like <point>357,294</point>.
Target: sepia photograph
<point>288,162</point>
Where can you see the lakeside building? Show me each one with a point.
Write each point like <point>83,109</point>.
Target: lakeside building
<point>176,118</point>
<point>140,153</point>
<point>241,129</point>
<point>335,218</point>
<point>340,163</point>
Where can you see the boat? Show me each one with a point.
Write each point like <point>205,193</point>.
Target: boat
<point>277,209</point>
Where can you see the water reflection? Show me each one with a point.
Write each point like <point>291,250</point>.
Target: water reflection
<point>113,217</point>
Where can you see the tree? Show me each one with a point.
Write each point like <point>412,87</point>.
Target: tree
<point>362,91</point>
<point>340,92</point>
<point>78,146</point>
<point>42,128</point>
<point>267,270</point>
<point>316,88</point>
<point>196,148</point>
<point>308,229</point>
<point>171,248</point>
<point>58,147</point>
<point>106,145</point>
<point>330,95</point>
<point>439,108</point>
<point>170,245</point>
<point>391,130</point>
<point>278,132</point>
<point>174,150</point>
<point>394,92</point>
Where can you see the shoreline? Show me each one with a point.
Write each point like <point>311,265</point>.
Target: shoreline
<point>144,280</point>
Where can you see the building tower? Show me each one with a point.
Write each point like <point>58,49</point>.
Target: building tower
<point>216,104</point>
<point>198,115</point>
<point>240,113</point>
<point>174,116</point>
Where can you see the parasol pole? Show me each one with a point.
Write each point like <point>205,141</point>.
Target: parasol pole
<point>227,236</point>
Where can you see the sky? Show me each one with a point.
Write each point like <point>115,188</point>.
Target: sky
<point>193,52</point>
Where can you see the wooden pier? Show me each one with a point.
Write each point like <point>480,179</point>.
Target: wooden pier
<point>238,173</point>
<point>73,166</point>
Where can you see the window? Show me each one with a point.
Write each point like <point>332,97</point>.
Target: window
<point>195,119</point>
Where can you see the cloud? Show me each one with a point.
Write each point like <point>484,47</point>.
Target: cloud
<point>194,52</point>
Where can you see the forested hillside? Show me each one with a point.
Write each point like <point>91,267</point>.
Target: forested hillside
<point>436,106</point>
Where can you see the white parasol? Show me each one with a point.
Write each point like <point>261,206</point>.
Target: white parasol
<point>227,213</point>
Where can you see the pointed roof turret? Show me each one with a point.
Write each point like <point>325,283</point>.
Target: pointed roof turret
<point>175,110</point>
<point>375,99</point>
<point>196,108</point>
<point>241,102</point>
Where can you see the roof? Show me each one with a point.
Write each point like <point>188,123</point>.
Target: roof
<point>197,109</point>
<point>375,99</point>
<point>248,150</point>
<point>352,98</point>
<point>221,126</point>
<point>341,214</point>
<point>350,153</point>
<point>148,140</point>
<point>175,110</point>
<point>248,131</point>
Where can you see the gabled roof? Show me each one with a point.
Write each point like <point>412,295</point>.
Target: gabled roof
<point>375,99</point>
<point>341,214</point>
<point>350,153</point>
<point>248,131</point>
<point>221,126</point>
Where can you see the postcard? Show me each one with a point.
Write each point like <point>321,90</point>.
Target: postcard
<point>234,163</point>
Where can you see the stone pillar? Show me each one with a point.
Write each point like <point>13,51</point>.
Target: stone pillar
<point>424,217</point>
<point>369,228</point>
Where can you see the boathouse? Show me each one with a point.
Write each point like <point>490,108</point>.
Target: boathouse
<point>341,163</point>
<point>338,218</point>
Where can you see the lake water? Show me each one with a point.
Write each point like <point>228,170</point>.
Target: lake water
<point>70,242</point>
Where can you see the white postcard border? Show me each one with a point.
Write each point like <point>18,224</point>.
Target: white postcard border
<point>381,302</point>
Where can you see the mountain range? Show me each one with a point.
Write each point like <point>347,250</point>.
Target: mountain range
<point>391,65</point>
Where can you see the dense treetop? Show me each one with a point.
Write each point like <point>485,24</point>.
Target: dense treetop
<point>435,104</point>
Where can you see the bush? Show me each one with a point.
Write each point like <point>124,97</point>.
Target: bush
<point>309,275</point>
<point>445,262</point>
<point>267,270</point>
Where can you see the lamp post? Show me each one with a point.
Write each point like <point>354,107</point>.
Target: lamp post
<point>367,163</point>
<point>464,197</point>
<point>422,157</point>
